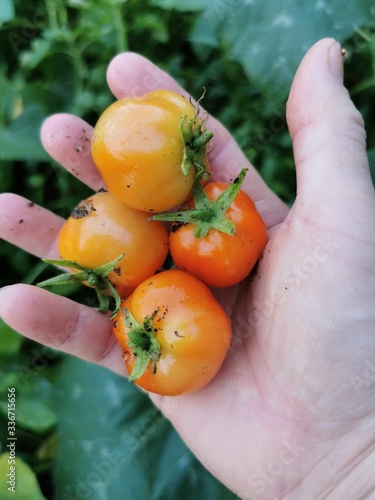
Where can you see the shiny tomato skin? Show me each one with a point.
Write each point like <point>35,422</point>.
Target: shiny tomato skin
<point>192,328</point>
<point>100,229</point>
<point>220,259</point>
<point>138,150</point>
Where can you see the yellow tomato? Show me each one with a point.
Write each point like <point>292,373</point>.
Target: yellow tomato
<point>149,149</point>
<point>100,229</point>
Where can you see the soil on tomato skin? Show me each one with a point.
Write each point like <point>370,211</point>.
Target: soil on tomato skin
<point>179,335</point>
<point>177,225</point>
<point>165,311</point>
<point>83,209</point>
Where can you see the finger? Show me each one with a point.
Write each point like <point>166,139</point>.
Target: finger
<point>328,135</point>
<point>62,324</point>
<point>67,139</point>
<point>29,226</point>
<point>130,74</point>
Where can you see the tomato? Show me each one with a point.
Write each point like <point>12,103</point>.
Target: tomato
<point>175,330</point>
<point>221,238</point>
<point>100,229</point>
<point>149,150</point>
<point>221,259</point>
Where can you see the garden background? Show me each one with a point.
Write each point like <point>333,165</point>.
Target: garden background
<point>83,432</point>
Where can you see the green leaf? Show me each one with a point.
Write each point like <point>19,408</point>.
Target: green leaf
<point>26,484</point>
<point>20,140</point>
<point>7,379</point>
<point>10,340</point>
<point>115,444</point>
<point>180,5</point>
<point>203,33</point>
<point>40,49</point>
<point>270,42</point>
<point>6,11</point>
<point>32,415</point>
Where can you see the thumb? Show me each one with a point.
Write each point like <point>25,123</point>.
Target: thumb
<point>328,135</point>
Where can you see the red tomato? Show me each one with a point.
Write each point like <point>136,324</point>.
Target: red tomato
<point>221,259</point>
<point>220,238</point>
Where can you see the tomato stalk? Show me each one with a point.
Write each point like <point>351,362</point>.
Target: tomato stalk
<point>207,214</point>
<point>142,341</point>
<point>96,277</point>
<point>195,138</point>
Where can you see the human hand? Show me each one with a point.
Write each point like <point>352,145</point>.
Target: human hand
<point>291,414</point>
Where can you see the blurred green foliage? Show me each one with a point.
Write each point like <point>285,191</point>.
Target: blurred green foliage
<point>53,58</point>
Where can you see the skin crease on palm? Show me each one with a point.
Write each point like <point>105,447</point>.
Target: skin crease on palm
<point>291,414</point>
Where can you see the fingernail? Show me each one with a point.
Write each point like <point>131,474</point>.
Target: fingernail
<point>335,62</point>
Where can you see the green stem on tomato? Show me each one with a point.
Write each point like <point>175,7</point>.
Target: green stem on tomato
<point>142,341</point>
<point>208,214</point>
<point>96,277</point>
<point>195,138</point>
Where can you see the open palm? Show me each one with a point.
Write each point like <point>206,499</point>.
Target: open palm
<point>292,412</point>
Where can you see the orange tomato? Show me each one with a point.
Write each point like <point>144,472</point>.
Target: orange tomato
<point>149,149</point>
<point>175,330</point>
<point>101,229</point>
<point>220,259</point>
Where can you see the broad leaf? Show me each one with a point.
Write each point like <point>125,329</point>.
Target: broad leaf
<point>115,444</point>
<point>180,5</point>
<point>20,140</point>
<point>26,485</point>
<point>269,41</point>
<point>6,11</point>
<point>34,415</point>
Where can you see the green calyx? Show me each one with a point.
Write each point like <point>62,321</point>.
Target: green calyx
<point>195,138</point>
<point>208,214</point>
<point>97,278</point>
<point>142,341</point>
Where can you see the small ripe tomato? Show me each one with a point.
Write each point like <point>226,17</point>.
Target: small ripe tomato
<point>100,229</point>
<point>221,237</point>
<point>174,333</point>
<point>221,259</point>
<point>149,150</point>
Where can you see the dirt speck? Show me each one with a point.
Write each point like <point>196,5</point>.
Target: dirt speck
<point>83,209</point>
